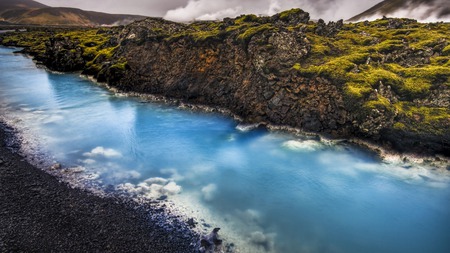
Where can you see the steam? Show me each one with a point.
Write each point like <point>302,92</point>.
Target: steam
<point>190,10</point>
<point>422,10</point>
<point>219,9</point>
<point>274,7</point>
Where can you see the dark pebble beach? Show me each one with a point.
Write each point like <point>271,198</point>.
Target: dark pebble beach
<point>38,213</point>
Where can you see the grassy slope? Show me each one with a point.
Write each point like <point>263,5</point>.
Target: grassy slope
<point>344,59</point>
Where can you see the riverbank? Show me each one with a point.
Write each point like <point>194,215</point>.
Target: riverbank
<point>360,81</point>
<point>41,214</point>
<point>385,153</point>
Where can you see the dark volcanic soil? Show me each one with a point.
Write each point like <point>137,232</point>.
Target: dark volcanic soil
<point>40,214</point>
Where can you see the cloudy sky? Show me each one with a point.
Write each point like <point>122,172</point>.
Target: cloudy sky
<point>188,10</point>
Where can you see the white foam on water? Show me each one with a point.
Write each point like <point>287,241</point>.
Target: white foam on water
<point>240,227</point>
<point>101,151</point>
<point>410,173</point>
<point>209,192</point>
<point>173,174</point>
<point>156,180</point>
<point>264,241</point>
<point>171,188</point>
<point>122,175</point>
<point>88,161</point>
<point>247,127</point>
<point>303,146</point>
<point>152,188</point>
<point>53,119</point>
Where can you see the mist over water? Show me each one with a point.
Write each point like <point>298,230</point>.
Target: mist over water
<point>268,191</point>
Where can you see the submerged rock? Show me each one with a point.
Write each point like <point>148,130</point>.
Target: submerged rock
<point>211,242</point>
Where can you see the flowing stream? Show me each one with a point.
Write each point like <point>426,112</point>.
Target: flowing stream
<point>268,191</point>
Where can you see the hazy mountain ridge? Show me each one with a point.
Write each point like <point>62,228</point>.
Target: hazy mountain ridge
<point>16,4</point>
<point>423,10</point>
<point>32,12</point>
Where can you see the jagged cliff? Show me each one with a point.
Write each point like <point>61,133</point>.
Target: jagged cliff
<point>386,81</point>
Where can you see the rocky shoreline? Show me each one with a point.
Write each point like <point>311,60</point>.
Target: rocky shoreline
<point>383,152</point>
<point>384,82</point>
<point>41,214</point>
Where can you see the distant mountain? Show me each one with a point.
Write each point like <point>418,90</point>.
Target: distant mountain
<point>422,10</point>
<point>6,5</point>
<point>32,12</point>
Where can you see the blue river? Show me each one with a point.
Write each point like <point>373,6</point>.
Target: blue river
<point>269,191</point>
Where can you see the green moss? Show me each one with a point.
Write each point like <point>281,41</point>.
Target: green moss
<point>320,49</point>
<point>425,38</point>
<point>92,67</point>
<point>357,90</point>
<point>422,113</point>
<point>417,81</point>
<point>34,40</point>
<point>387,46</point>
<point>91,41</point>
<point>297,66</point>
<point>205,35</point>
<point>286,14</point>
<point>121,64</point>
<point>336,68</point>
<point>446,50</point>
<point>399,126</point>
<point>372,76</point>
<point>439,60</point>
<point>252,31</point>
<point>381,103</point>
<point>415,87</point>
<point>423,119</point>
<point>432,73</point>
<point>200,31</point>
<point>246,19</point>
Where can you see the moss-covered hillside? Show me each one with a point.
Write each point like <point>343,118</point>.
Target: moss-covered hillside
<point>395,65</point>
<point>386,80</point>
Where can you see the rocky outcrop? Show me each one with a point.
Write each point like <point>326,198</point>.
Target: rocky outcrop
<point>285,70</point>
<point>330,29</point>
<point>254,80</point>
<point>63,54</point>
<point>254,77</point>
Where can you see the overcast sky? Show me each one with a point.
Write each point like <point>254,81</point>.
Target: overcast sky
<point>188,10</point>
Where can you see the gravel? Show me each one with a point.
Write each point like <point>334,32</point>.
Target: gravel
<point>40,214</point>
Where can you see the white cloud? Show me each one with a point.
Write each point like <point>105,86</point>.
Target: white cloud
<point>218,9</point>
<point>274,7</point>
<point>188,10</point>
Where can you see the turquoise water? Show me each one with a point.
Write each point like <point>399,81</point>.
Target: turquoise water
<point>268,191</point>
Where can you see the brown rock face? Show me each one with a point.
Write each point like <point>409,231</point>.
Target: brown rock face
<point>257,67</point>
<point>254,80</point>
